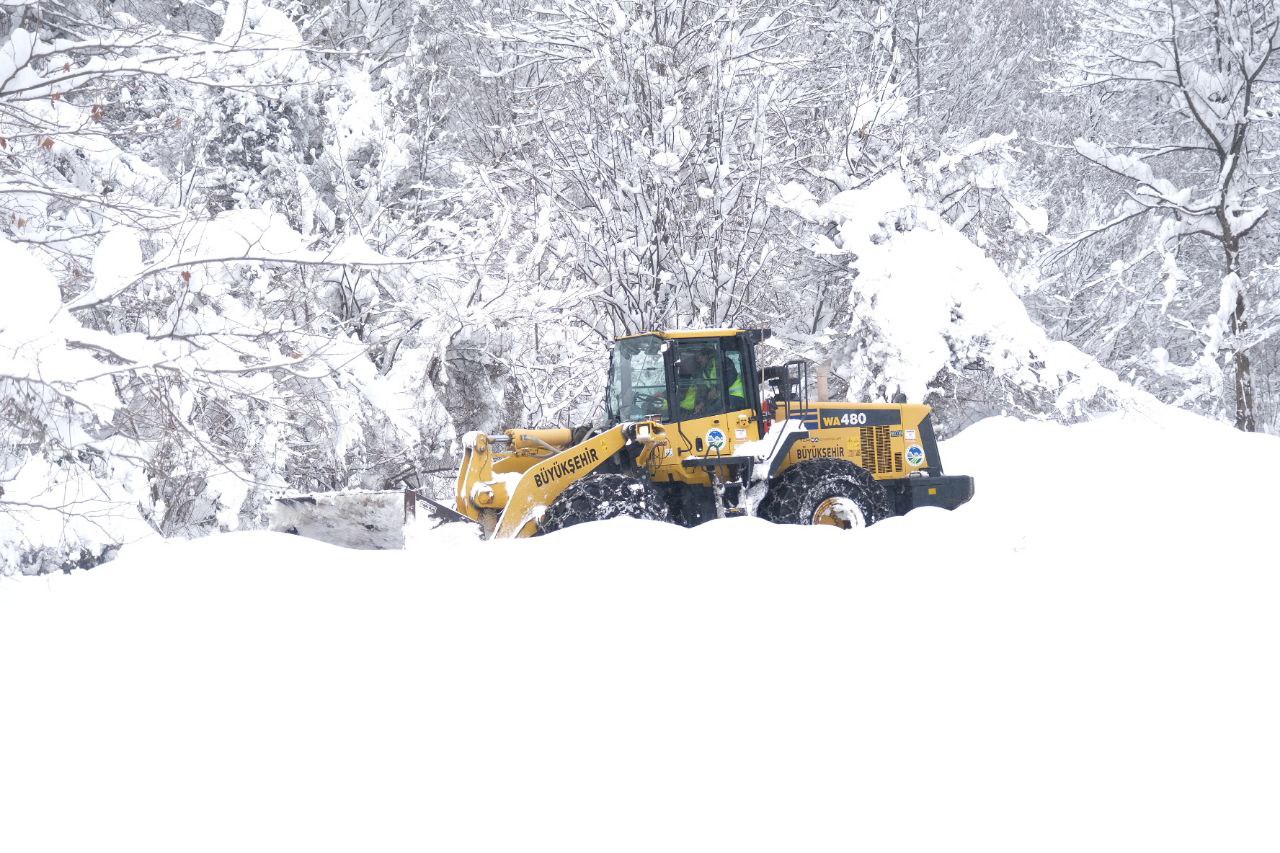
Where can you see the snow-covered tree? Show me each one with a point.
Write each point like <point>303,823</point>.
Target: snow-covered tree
<point>1189,157</point>
<point>930,315</point>
<point>232,327</point>
<point>642,131</point>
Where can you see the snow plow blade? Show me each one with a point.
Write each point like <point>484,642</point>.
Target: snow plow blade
<point>370,521</point>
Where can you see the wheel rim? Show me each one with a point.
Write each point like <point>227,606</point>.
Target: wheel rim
<point>839,512</point>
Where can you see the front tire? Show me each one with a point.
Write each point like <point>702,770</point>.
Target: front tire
<point>602,496</point>
<point>826,491</point>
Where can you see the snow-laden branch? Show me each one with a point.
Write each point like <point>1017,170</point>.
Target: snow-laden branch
<point>235,237</point>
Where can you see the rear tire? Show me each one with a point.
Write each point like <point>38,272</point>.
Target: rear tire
<point>826,491</point>
<point>602,496</point>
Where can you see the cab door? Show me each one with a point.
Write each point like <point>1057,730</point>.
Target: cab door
<point>712,395</point>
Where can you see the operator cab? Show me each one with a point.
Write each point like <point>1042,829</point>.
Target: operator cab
<point>680,376</point>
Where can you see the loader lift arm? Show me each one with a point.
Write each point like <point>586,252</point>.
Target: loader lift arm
<point>506,480</point>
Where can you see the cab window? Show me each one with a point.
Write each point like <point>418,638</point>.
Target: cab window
<point>735,382</point>
<point>638,381</point>
<point>699,390</point>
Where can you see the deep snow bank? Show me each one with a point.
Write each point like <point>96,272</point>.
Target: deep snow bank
<point>1084,658</point>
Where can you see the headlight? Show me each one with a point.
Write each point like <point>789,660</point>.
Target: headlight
<point>642,431</point>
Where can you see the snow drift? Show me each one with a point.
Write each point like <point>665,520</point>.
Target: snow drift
<point>1083,658</point>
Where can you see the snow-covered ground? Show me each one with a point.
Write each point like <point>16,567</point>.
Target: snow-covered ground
<point>1086,657</point>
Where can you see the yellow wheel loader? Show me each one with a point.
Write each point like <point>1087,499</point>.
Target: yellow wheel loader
<point>695,431</point>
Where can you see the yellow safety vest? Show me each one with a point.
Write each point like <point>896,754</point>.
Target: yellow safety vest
<point>737,389</point>
<point>690,400</point>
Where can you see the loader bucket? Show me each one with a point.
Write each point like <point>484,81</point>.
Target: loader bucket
<point>370,521</point>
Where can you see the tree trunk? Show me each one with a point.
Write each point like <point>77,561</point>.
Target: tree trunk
<point>1245,419</point>
<point>824,376</point>
<point>1238,325</point>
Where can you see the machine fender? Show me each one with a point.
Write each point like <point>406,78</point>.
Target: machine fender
<point>780,456</point>
<point>930,440</point>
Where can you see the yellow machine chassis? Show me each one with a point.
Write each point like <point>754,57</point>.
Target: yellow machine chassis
<point>506,481</point>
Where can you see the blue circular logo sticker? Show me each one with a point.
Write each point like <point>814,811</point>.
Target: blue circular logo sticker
<point>915,456</point>
<point>715,439</point>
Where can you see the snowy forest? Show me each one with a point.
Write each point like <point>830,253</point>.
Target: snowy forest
<point>250,247</point>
